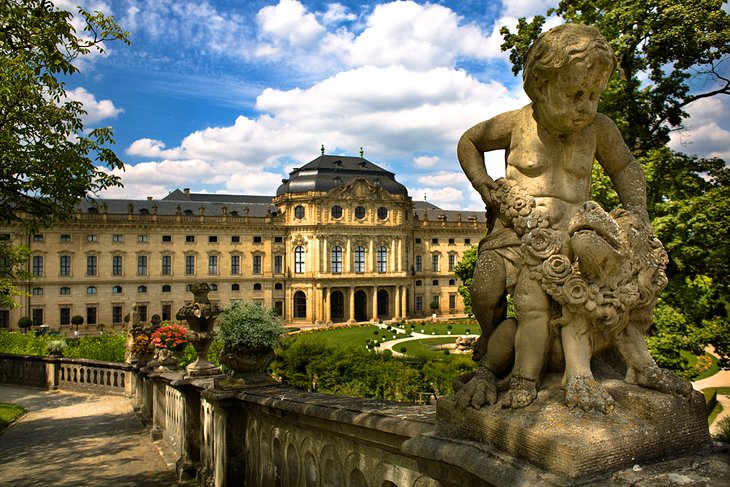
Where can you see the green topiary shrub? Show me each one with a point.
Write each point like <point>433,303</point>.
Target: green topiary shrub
<point>248,326</point>
<point>25,323</point>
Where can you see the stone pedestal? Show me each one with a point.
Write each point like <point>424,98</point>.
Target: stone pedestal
<point>645,425</point>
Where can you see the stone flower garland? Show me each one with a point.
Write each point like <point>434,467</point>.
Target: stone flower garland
<point>559,276</point>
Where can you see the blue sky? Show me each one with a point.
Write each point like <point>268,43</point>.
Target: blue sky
<point>228,96</point>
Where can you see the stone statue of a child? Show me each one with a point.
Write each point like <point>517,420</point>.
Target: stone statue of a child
<point>550,147</point>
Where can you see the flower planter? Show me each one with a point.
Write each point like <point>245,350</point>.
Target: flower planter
<point>245,368</point>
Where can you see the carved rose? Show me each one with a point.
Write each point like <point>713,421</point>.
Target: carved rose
<point>540,244</point>
<point>536,218</point>
<point>575,290</point>
<point>557,268</point>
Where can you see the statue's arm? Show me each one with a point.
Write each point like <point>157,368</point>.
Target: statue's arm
<point>492,134</point>
<point>621,166</point>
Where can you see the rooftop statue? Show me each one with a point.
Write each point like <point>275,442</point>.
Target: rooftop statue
<point>582,280</point>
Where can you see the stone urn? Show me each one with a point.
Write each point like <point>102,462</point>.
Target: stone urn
<point>200,316</point>
<point>246,367</point>
<point>167,360</point>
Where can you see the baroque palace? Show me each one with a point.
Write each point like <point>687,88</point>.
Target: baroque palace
<point>341,241</point>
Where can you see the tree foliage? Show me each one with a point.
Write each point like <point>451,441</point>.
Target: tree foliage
<point>663,47</point>
<point>48,162</point>
<point>464,271</point>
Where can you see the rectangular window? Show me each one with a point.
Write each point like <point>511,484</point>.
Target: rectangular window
<point>418,240</point>
<point>278,239</point>
<point>166,312</point>
<point>166,265</point>
<point>419,263</point>
<point>278,264</point>
<point>212,264</point>
<point>91,238</point>
<point>359,259</point>
<point>142,310</point>
<point>91,315</point>
<point>117,265</point>
<point>37,265</point>
<point>435,263</point>
<point>434,241</point>
<point>4,318</point>
<point>452,301</point>
<point>212,238</point>
<point>37,316</point>
<point>117,238</point>
<point>190,238</point>
<point>419,303</point>
<point>142,238</point>
<point>336,259</point>
<point>235,239</point>
<point>91,265</point>
<point>64,316</point>
<point>257,239</point>
<point>142,265</point>
<point>167,238</point>
<point>235,264</point>
<point>452,241</point>
<point>65,265</point>
<point>452,262</point>
<point>189,264</point>
<point>117,314</point>
<point>299,260</point>
<point>257,264</point>
<point>382,259</point>
<point>467,241</point>
<point>65,237</point>
<point>38,237</point>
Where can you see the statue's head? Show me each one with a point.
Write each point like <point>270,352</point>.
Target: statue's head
<point>567,46</point>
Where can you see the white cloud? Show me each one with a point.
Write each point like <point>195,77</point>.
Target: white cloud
<point>96,110</point>
<point>527,8</point>
<point>411,35</point>
<point>703,135</point>
<point>448,198</point>
<point>443,178</point>
<point>253,182</point>
<point>289,21</point>
<point>423,162</point>
<point>336,12</point>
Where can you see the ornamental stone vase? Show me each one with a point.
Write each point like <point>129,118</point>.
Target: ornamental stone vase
<point>167,360</point>
<point>246,368</point>
<point>200,316</point>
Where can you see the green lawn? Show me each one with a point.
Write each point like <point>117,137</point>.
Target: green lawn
<point>421,347</point>
<point>356,335</point>
<point>9,413</point>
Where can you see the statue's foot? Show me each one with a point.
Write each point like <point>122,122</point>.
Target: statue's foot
<point>522,392</point>
<point>663,380</point>
<point>588,395</point>
<point>479,391</point>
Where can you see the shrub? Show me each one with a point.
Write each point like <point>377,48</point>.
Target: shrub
<point>109,347</point>
<point>402,349</point>
<point>723,430</point>
<point>446,352</point>
<point>56,347</point>
<point>248,326</point>
<point>25,323</point>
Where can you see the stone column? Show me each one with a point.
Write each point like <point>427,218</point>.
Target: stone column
<point>375,303</point>
<point>396,303</point>
<point>370,263</point>
<point>325,261</point>
<point>393,257</point>
<point>327,304</point>
<point>404,301</point>
<point>352,306</point>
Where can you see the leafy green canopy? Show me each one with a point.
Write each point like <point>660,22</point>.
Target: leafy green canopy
<point>670,53</point>
<point>48,162</point>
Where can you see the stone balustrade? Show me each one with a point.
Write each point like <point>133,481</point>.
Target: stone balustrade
<point>276,435</point>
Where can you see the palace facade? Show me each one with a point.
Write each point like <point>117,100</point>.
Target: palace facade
<point>342,241</point>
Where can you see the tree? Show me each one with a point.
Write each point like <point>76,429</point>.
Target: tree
<point>47,160</point>
<point>464,271</point>
<point>669,53</point>
<point>77,320</point>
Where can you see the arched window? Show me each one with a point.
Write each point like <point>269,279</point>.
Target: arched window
<point>336,212</point>
<point>300,305</point>
<point>37,291</point>
<point>299,260</point>
<point>65,290</point>
<point>117,289</point>
<point>235,287</point>
<point>336,259</point>
<point>91,290</point>
<point>360,212</point>
<point>382,259</point>
<point>257,286</point>
<point>360,259</point>
<point>213,287</point>
<point>278,286</point>
<point>166,288</point>
<point>382,213</point>
<point>142,289</point>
